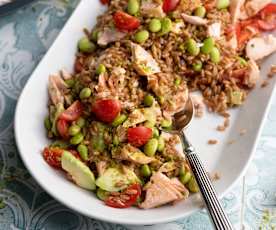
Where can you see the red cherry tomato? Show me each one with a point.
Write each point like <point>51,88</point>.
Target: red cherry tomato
<point>62,128</point>
<point>73,112</point>
<point>125,22</point>
<point>53,156</point>
<point>104,2</point>
<point>139,136</point>
<point>170,5</point>
<point>133,192</point>
<point>106,109</point>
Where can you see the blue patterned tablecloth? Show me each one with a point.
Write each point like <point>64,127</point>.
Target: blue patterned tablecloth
<point>25,36</point>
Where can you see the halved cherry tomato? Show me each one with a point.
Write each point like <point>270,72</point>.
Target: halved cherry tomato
<point>170,5</point>
<point>73,112</point>
<point>138,136</point>
<point>104,1</point>
<point>53,156</point>
<point>269,9</point>
<point>267,17</point>
<point>125,22</point>
<point>106,110</point>
<point>132,192</point>
<point>63,127</point>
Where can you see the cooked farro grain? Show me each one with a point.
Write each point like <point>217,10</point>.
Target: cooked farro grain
<point>243,132</point>
<point>212,142</point>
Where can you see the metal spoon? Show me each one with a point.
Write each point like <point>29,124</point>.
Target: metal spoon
<point>216,212</point>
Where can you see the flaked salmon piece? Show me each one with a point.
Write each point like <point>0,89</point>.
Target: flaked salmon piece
<point>252,7</point>
<point>235,9</point>
<point>143,61</point>
<point>195,20</point>
<point>57,88</point>
<point>152,9</point>
<point>109,35</point>
<point>161,190</point>
<point>180,187</point>
<point>260,47</point>
<point>65,74</point>
<point>254,73</point>
<point>101,167</point>
<point>214,30</point>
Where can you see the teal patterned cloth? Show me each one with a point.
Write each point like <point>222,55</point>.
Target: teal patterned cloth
<point>25,36</point>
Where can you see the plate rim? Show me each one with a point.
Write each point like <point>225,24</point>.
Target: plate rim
<point>109,218</point>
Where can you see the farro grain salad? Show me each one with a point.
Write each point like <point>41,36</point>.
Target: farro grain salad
<point>133,71</point>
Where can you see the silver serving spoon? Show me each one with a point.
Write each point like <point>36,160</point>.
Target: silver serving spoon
<point>217,214</point>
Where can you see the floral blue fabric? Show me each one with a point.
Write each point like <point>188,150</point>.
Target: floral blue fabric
<point>25,36</point>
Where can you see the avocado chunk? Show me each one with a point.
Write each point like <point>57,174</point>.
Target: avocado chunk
<point>81,174</point>
<point>114,180</point>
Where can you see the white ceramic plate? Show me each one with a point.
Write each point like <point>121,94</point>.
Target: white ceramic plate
<point>229,160</point>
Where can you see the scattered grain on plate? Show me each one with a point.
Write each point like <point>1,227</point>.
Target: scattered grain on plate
<point>225,124</point>
<point>243,132</point>
<point>272,71</point>
<point>265,83</point>
<point>231,142</point>
<point>212,142</point>
<point>216,176</point>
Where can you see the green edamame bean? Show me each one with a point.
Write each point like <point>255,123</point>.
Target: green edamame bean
<point>161,100</point>
<point>242,61</point>
<point>151,147</point>
<point>166,123</point>
<point>85,93</point>
<point>166,26</point>
<point>70,82</point>
<point>47,123</point>
<point>208,45</point>
<point>81,122</point>
<point>200,11</point>
<point>101,194</point>
<point>197,67</point>
<point>148,100</point>
<point>75,140</point>
<point>192,47</point>
<point>215,55</point>
<point>83,151</point>
<point>161,144</point>
<point>182,170</point>
<point>155,25</point>
<point>74,129</point>
<point>94,35</point>
<point>155,132</point>
<point>185,178</point>
<point>100,69</point>
<point>116,140</point>
<point>86,46</point>
<point>119,120</point>
<point>133,7</point>
<point>141,36</point>
<point>192,185</point>
<point>177,81</point>
<point>181,47</point>
<point>145,170</point>
<point>223,4</point>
